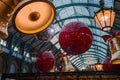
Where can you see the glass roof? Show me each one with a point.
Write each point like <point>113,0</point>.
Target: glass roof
<point>83,11</point>
<point>70,11</point>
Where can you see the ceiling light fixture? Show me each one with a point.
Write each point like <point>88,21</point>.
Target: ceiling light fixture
<point>33,16</point>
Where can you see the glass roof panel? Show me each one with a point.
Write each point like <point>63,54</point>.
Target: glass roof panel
<point>83,11</point>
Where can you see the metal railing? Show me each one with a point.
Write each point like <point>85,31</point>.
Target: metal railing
<point>88,75</point>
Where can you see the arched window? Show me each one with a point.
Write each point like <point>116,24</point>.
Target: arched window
<point>25,69</point>
<point>12,68</point>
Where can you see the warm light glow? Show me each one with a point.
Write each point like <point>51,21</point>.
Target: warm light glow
<point>5,14</point>
<point>105,19</point>
<point>117,61</point>
<point>99,67</point>
<point>3,29</point>
<point>34,17</point>
<point>34,59</point>
<point>83,68</point>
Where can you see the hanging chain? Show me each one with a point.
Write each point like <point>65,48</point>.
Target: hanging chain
<point>101,3</point>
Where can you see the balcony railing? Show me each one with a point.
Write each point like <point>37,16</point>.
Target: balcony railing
<point>89,75</point>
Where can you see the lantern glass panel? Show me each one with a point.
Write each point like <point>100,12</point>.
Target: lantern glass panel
<point>105,19</point>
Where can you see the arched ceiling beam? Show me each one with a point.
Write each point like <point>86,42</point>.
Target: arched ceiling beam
<point>99,55</point>
<point>73,17</point>
<point>98,50</point>
<point>100,46</point>
<point>78,4</point>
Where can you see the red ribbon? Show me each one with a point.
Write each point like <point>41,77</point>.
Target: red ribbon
<point>61,56</point>
<point>110,37</point>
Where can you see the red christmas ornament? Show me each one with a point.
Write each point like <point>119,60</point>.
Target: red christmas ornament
<point>75,38</point>
<point>111,67</point>
<point>45,61</point>
<point>107,66</point>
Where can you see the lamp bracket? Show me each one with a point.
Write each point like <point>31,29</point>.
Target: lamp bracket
<point>101,2</point>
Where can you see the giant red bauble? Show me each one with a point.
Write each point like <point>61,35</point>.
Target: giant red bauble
<point>45,61</point>
<point>75,38</point>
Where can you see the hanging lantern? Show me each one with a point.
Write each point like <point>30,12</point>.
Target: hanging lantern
<point>47,34</point>
<point>33,16</point>
<point>104,17</point>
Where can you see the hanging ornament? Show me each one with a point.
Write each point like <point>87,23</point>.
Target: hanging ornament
<point>45,61</point>
<point>114,46</point>
<point>75,38</point>
<point>47,34</point>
